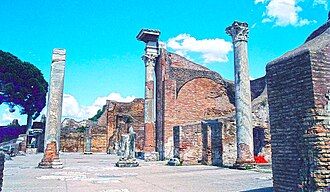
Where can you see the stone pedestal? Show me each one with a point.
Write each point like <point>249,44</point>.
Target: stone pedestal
<point>51,157</point>
<point>124,162</point>
<point>239,33</point>
<point>150,37</point>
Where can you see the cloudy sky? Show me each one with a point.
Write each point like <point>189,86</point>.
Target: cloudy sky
<point>104,57</point>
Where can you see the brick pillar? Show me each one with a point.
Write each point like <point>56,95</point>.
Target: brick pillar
<point>54,111</point>
<point>150,37</point>
<point>239,33</point>
<point>2,166</point>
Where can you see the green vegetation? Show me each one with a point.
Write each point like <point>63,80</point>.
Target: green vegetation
<point>81,129</point>
<point>98,114</point>
<point>22,85</point>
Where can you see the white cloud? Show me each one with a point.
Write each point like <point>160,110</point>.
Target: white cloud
<point>321,2</point>
<point>283,13</point>
<point>211,50</point>
<point>8,117</point>
<point>259,1</point>
<point>72,108</point>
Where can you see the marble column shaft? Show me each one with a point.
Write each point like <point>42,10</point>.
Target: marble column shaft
<point>55,97</point>
<point>239,33</point>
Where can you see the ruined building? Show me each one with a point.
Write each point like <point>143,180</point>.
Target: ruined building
<point>192,96</point>
<point>191,101</point>
<point>114,120</point>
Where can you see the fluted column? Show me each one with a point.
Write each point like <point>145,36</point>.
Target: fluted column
<point>54,111</point>
<point>150,37</point>
<point>244,131</point>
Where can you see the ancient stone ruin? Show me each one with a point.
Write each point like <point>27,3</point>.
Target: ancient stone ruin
<point>106,131</point>
<point>298,90</point>
<point>54,111</point>
<point>189,97</point>
<point>127,151</point>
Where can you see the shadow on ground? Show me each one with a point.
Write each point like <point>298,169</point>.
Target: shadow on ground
<point>266,189</point>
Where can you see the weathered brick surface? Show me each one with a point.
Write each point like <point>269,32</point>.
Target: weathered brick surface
<point>120,116</point>
<point>210,142</point>
<point>50,155</point>
<point>189,146</point>
<point>297,86</point>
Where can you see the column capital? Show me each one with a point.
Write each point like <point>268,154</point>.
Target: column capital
<point>149,59</point>
<point>238,31</point>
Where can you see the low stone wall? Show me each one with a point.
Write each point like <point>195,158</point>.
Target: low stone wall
<point>188,146</point>
<point>211,142</point>
<point>2,161</point>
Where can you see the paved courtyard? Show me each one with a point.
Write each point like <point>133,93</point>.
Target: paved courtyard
<point>97,173</point>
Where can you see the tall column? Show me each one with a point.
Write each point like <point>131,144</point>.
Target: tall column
<point>54,111</point>
<point>244,131</point>
<point>150,37</point>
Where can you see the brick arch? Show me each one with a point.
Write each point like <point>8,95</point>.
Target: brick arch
<point>202,98</point>
<point>184,76</point>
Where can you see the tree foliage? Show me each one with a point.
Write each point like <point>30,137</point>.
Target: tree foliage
<point>22,85</point>
<point>98,114</point>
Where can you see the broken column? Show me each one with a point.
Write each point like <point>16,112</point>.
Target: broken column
<point>54,111</point>
<point>88,141</point>
<point>2,166</point>
<point>239,33</point>
<point>150,37</point>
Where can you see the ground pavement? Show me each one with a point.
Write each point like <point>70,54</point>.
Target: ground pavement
<point>97,173</point>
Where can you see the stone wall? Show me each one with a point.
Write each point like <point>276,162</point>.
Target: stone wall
<point>298,83</point>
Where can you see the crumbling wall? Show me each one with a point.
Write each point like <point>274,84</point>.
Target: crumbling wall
<point>209,142</point>
<point>120,116</point>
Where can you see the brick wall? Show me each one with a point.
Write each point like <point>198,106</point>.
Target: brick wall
<point>185,93</point>
<point>297,86</point>
<point>117,122</point>
<point>211,142</point>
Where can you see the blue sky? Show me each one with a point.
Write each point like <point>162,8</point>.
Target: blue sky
<point>104,57</point>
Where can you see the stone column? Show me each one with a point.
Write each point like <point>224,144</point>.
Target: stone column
<point>54,111</point>
<point>239,33</point>
<point>88,141</point>
<point>2,166</point>
<point>150,37</point>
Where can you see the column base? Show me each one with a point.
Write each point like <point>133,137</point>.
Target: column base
<point>51,158</point>
<point>151,156</point>
<point>124,162</point>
